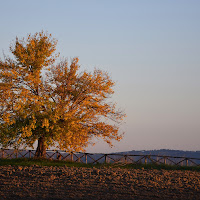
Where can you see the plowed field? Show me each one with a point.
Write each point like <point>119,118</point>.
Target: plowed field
<point>91,183</point>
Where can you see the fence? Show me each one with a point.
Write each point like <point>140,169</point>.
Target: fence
<point>95,158</point>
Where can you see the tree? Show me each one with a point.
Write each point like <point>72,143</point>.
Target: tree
<point>53,102</point>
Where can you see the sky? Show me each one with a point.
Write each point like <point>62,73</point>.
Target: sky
<point>151,49</point>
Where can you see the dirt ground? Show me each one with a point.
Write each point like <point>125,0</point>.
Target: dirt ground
<point>54,183</point>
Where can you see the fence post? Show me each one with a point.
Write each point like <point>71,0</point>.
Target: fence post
<point>186,162</point>
<point>165,160</point>
<point>125,158</point>
<point>71,156</point>
<point>85,158</point>
<point>56,154</point>
<point>105,158</point>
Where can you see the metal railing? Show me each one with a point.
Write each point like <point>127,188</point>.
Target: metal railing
<point>95,158</point>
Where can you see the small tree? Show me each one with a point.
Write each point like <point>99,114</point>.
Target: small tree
<point>52,102</point>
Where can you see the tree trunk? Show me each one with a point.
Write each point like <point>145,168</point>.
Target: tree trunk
<point>41,148</point>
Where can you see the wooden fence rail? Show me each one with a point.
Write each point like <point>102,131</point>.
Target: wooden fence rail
<point>95,158</point>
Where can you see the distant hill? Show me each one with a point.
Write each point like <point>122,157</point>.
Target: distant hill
<point>165,152</point>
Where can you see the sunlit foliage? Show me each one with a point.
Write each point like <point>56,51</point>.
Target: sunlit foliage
<point>53,102</point>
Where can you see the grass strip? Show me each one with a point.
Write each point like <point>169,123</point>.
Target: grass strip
<point>62,163</point>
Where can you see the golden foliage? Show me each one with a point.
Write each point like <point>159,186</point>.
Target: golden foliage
<point>63,105</point>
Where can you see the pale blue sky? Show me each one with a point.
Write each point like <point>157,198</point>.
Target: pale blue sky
<point>151,49</point>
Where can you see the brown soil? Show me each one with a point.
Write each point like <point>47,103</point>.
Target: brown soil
<point>54,183</point>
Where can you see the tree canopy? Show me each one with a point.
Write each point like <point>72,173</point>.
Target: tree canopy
<point>52,101</point>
